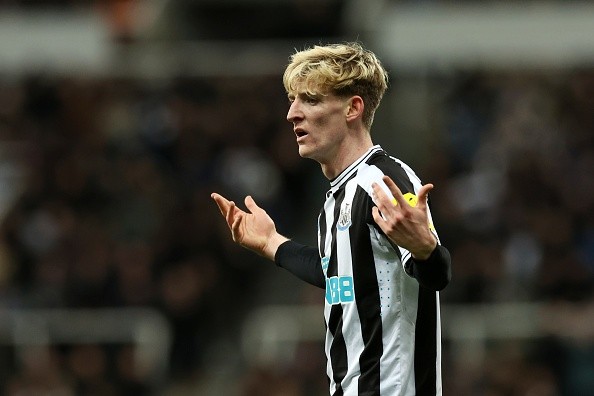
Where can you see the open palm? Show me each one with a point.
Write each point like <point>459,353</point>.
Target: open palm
<point>254,229</point>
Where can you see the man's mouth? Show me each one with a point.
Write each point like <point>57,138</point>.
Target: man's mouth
<point>300,133</point>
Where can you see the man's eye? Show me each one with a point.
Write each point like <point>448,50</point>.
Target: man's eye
<point>311,100</point>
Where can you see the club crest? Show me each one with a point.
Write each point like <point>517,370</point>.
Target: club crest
<point>344,219</point>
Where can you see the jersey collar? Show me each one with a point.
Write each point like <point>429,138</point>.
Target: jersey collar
<point>351,169</point>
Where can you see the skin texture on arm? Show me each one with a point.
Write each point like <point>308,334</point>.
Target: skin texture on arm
<point>254,229</point>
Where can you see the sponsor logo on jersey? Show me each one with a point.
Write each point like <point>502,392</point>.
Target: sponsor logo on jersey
<point>340,290</point>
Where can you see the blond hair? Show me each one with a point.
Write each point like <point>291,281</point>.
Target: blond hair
<point>342,69</point>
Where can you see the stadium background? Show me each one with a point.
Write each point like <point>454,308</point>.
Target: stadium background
<point>118,118</point>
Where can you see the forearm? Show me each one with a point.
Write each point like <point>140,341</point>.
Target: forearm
<point>302,261</point>
<point>433,273</point>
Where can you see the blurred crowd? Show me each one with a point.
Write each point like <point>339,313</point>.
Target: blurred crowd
<point>517,211</point>
<point>106,188</point>
<point>108,183</point>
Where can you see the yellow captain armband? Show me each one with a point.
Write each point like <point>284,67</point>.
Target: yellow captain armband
<point>409,197</point>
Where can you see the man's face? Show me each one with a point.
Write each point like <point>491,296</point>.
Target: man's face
<point>319,123</point>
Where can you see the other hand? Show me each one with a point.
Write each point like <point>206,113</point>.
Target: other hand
<point>407,225</point>
<point>254,229</point>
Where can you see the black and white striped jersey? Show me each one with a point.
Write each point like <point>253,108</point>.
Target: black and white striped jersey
<point>382,327</point>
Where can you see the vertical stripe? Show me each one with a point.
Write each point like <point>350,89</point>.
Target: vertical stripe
<point>351,321</point>
<point>368,303</point>
<point>326,217</point>
<point>426,344</point>
<point>338,350</point>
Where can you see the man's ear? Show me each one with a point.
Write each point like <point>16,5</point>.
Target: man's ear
<point>355,108</point>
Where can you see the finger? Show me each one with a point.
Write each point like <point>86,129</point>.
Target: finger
<point>231,214</point>
<point>221,202</point>
<point>235,228</point>
<point>251,204</point>
<point>379,194</point>
<point>377,217</point>
<point>424,194</point>
<point>395,192</point>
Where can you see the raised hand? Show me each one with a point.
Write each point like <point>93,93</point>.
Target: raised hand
<point>254,229</point>
<point>405,223</point>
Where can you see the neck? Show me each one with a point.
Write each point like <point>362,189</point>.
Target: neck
<point>344,157</point>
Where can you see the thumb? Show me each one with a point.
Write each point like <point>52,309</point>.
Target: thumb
<point>251,204</point>
<point>424,194</point>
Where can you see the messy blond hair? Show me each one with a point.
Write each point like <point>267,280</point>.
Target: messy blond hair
<point>342,69</point>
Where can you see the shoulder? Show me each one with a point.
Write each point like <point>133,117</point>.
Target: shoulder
<point>387,164</point>
<point>402,174</point>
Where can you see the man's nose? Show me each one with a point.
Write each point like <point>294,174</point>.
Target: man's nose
<point>294,113</point>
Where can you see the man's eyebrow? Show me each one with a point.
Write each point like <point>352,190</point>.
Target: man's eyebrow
<point>304,95</point>
<point>309,95</point>
<point>293,95</point>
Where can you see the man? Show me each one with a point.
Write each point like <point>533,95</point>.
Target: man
<point>378,255</point>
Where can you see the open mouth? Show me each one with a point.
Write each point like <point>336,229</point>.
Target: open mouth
<point>300,133</point>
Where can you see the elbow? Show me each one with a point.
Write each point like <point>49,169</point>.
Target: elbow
<point>437,283</point>
<point>444,281</point>
<point>446,270</point>
<point>436,273</point>
<point>445,278</point>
